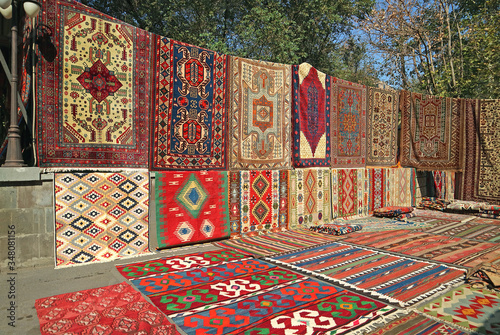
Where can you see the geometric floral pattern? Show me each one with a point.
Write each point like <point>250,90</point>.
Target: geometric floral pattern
<point>189,123</point>
<point>382,127</point>
<point>114,309</point>
<point>311,117</point>
<point>255,201</point>
<point>472,309</point>
<point>100,216</point>
<point>259,119</point>
<point>94,98</point>
<point>191,207</point>
<point>350,192</point>
<point>310,197</point>
<point>348,124</point>
<point>431,131</point>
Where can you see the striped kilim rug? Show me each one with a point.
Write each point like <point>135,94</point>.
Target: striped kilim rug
<point>442,215</point>
<point>458,251</point>
<point>256,297</point>
<point>177,263</point>
<point>373,223</point>
<point>401,279</point>
<point>469,230</point>
<point>274,243</point>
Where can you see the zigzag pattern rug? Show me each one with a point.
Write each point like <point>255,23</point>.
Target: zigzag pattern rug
<point>94,98</point>
<point>260,111</point>
<point>401,279</point>
<point>348,124</point>
<point>276,242</point>
<point>382,127</point>
<point>252,296</point>
<point>105,310</point>
<point>311,117</point>
<point>350,193</point>
<point>189,123</point>
<point>178,263</point>
<point>100,216</point>
<point>191,207</point>
<point>445,249</point>
<point>310,199</point>
<point>472,309</point>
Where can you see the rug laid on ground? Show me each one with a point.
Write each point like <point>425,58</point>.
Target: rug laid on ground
<point>260,110</point>
<point>258,297</point>
<point>94,98</point>
<point>382,117</point>
<point>350,193</point>
<point>111,309</point>
<point>469,230</point>
<point>274,243</point>
<point>431,129</point>
<point>416,324</point>
<point>310,197</point>
<point>372,223</point>
<point>188,128</point>
<point>425,213</point>
<point>348,124</point>
<point>100,216</point>
<point>336,229</point>
<point>447,249</point>
<point>311,117</point>
<point>479,180</point>
<point>255,202</point>
<point>191,207</point>
<point>472,309</point>
<point>178,263</point>
<point>396,278</point>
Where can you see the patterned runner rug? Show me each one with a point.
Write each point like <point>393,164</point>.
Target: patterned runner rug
<point>311,116</point>
<point>373,223</point>
<point>350,193</point>
<point>431,129</point>
<point>405,280</point>
<point>100,216</point>
<point>105,310</point>
<point>94,99</point>
<point>416,324</point>
<point>274,243</point>
<point>445,249</point>
<point>189,121</point>
<point>382,127</point>
<point>191,207</point>
<point>260,111</point>
<point>178,263</point>
<point>470,230</point>
<point>253,296</point>
<point>475,310</point>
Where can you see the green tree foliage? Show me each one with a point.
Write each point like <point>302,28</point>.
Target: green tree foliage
<point>285,31</point>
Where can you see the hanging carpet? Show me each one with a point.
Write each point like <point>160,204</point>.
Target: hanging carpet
<point>260,110</point>
<point>94,99</point>
<point>189,124</point>
<point>402,279</point>
<point>191,207</point>
<point>311,117</point>
<point>350,193</point>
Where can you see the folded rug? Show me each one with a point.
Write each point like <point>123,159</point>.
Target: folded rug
<point>392,211</point>
<point>334,229</point>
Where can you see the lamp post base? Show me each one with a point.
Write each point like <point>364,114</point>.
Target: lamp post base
<point>14,157</point>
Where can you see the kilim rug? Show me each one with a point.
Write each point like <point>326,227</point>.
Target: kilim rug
<point>441,248</point>
<point>178,263</point>
<point>189,123</point>
<point>431,129</point>
<point>310,197</point>
<point>479,179</point>
<point>260,110</point>
<point>257,297</point>
<point>311,116</point>
<point>441,215</point>
<point>372,223</point>
<point>350,193</point>
<point>116,309</point>
<point>100,216</point>
<point>398,279</point>
<point>472,309</point>
<point>469,230</point>
<point>444,184</point>
<point>274,243</point>
<point>416,324</point>
<point>255,201</point>
<point>348,124</point>
<point>191,207</point>
<point>382,119</point>
<point>95,98</point>
<point>379,188</point>
<point>402,182</point>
